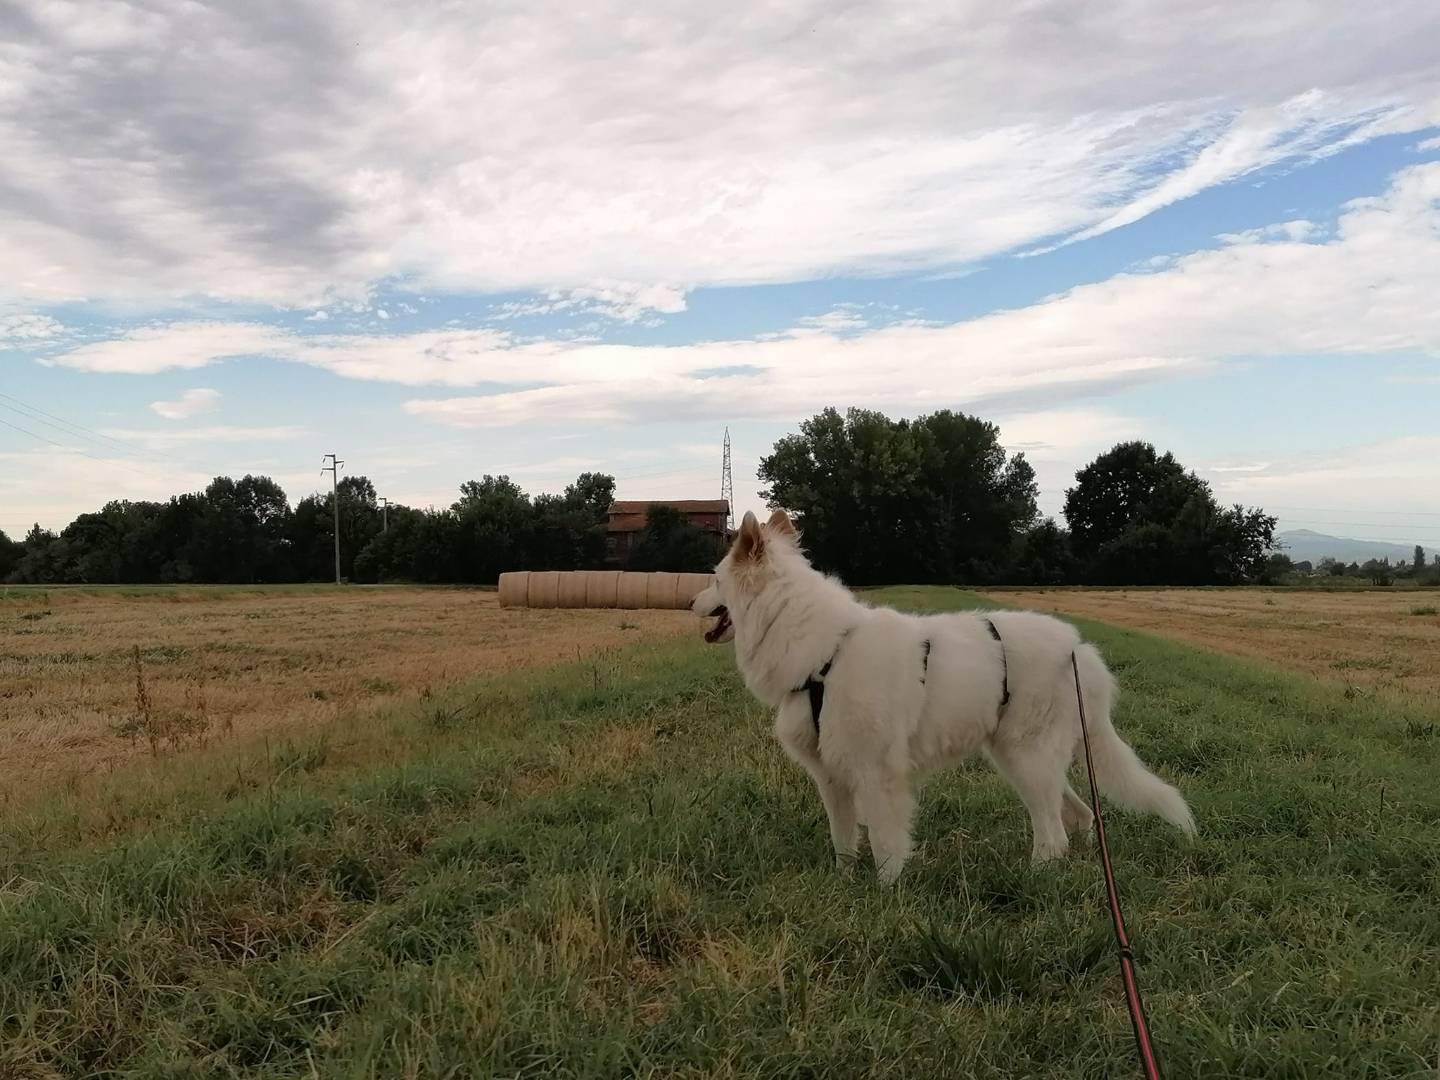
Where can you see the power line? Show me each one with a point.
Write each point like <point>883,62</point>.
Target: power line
<point>68,427</point>
<point>1364,524</point>
<point>99,439</point>
<point>1362,510</point>
<point>74,449</point>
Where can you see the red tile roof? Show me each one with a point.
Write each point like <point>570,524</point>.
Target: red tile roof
<point>629,516</point>
<point>690,506</point>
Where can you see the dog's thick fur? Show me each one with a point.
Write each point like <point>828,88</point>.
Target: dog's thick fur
<point>895,708</point>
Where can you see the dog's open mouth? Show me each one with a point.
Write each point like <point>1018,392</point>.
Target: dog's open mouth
<point>721,615</point>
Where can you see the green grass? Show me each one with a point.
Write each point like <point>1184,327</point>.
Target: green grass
<point>609,870</point>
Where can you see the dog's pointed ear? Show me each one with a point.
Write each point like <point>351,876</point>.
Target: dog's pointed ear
<point>750,544</point>
<point>780,522</point>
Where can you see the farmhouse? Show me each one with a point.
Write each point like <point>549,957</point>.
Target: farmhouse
<point>626,519</point>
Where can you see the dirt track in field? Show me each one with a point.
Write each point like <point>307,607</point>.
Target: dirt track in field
<point>1388,640</point>
<point>219,665</point>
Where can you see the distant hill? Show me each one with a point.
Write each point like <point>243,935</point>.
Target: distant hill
<point>1302,544</point>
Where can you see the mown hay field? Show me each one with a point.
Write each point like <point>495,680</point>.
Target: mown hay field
<point>225,664</point>
<point>608,869</point>
<point>1372,639</point>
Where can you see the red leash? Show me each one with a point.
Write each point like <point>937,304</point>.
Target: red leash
<point>1148,1063</point>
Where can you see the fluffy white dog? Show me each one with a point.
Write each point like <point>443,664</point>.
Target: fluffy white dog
<point>870,699</point>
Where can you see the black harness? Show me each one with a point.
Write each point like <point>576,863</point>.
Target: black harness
<point>1004,665</point>
<point>814,685</point>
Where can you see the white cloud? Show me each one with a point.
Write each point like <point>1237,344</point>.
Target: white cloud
<point>1285,230</point>
<point>837,320</point>
<point>1242,467</point>
<point>1369,288</point>
<point>176,346</point>
<point>189,403</point>
<point>23,330</point>
<point>658,146</point>
<point>160,440</point>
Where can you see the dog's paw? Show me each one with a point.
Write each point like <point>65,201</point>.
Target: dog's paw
<point>1044,853</point>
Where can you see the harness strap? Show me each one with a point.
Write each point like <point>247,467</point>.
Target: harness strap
<point>1004,665</point>
<point>814,685</point>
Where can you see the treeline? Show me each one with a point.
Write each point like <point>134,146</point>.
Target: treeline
<point>880,501</point>
<point>1375,571</point>
<point>938,500</point>
<point>244,531</point>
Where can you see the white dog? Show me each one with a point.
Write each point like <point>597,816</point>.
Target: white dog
<point>871,699</point>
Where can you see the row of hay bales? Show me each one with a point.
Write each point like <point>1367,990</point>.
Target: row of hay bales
<point>600,589</point>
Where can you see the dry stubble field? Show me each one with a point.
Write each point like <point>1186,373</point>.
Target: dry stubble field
<point>221,665</point>
<point>1382,640</point>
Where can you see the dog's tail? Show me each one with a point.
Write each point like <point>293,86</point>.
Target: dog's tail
<point>1122,775</point>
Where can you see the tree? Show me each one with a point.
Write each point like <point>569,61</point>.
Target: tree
<point>1139,517</point>
<point>495,522</point>
<point>240,534</point>
<point>418,546</point>
<point>117,543</point>
<point>880,501</point>
<point>10,552</point>
<point>1419,563</point>
<point>1044,556</point>
<point>1276,569</point>
<point>1378,571</point>
<point>569,529</point>
<point>670,542</point>
<point>42,559</point>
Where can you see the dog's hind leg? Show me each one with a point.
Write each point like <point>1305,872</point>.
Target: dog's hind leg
<point>1075,812</point>
<point>1038,775</point>
<point>886,809</point>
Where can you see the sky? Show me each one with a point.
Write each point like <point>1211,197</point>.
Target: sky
<point>443,240</point>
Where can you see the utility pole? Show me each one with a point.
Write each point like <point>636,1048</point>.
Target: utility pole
<point>334,470</point>
<point>384,514</point>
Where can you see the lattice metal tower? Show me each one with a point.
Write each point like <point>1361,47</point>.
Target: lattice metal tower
<point>727,482</point>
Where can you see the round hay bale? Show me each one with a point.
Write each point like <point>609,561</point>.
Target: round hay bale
<point>660,591</point>
<point>572,589</point>
<point>630,594</point>
<point>689,586</point>
<point>515,588</point>
<point>602,588</point>
<point>544,589</point>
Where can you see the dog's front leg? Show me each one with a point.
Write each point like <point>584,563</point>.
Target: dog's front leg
<point>839,803</point>
<point>796,732</point>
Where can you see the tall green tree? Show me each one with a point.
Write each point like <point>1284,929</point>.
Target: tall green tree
<point>671,543</point>
<point>880,501</point>
<point>10,552</point>
<point>1138,516</point>
<point>495,522</point>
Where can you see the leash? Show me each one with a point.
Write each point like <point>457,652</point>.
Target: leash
<point>1148,1063</point>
